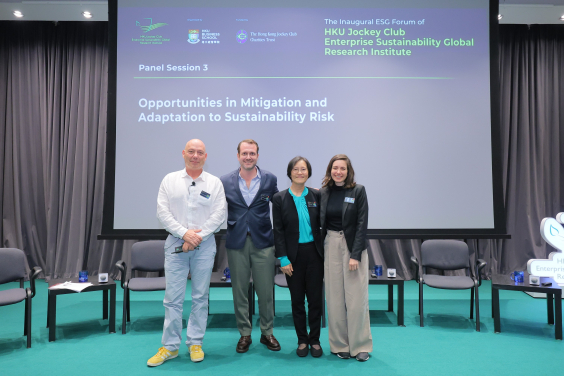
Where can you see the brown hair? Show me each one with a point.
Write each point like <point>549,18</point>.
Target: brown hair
<point>247,141</point>
<point>349,181</point>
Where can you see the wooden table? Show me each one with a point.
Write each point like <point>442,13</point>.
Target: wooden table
<point>553,299</point>
<point>96,286</point>
<point>398,281</point>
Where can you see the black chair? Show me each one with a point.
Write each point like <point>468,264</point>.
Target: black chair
<point>449,255</point>
<point>146,256</point>
<point>12,268</point>
<point>280,281</point>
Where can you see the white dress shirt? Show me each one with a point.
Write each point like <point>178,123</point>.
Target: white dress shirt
<point>184,203</point>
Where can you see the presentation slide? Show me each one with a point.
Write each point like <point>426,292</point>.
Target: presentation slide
<point>401,87</point>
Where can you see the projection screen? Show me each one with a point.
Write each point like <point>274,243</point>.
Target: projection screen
<point>405,88</point>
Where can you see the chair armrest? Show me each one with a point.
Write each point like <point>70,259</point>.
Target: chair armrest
<point>34,273</point>
<point>123,269</point>
<point>415,262</point>
<point>277,265</point>
<point>480,264</point>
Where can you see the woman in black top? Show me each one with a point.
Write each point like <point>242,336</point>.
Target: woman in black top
<point>344,219</point>
<point>299,246</point>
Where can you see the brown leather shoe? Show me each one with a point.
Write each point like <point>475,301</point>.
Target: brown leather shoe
<point>243,344</point>
<point>270,342</point>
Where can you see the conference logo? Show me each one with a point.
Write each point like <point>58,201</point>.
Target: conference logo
<point>148,37</point>
<point>193,36</point>
<point>553,233</point>
<point>241,36</point>
<point>150,27</point>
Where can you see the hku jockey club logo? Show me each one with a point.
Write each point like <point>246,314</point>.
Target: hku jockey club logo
<point>553,233</point>
<point>193,36</point>
<point>151,26</point>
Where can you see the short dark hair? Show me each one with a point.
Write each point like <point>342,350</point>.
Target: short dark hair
<point>247,141</point>
<point>349,181</point>
<point>293,162</point>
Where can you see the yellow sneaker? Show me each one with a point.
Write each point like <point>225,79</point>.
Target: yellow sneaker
<point>162,356</point>
<point>196,353</point>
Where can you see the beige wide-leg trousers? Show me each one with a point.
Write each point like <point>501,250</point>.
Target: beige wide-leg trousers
<point>347,298</point>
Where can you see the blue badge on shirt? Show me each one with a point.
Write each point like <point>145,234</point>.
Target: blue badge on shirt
<point>349,200</point>
<point>205,194</point>
<point>312,204</point>
<point>264,197</point>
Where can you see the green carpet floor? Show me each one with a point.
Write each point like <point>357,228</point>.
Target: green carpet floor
<point>447,345</point>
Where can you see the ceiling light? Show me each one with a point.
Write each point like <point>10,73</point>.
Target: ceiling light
<point>87,14</point>
<point>18,14</point>
<point>499,16</point>
<point>562,18</point>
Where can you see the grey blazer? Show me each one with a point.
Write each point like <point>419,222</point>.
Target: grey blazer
<point>355,218</point>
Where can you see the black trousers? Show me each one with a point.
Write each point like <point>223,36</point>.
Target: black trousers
<point>307,280</point>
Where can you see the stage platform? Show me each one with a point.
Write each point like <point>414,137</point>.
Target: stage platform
<point>447,345</point>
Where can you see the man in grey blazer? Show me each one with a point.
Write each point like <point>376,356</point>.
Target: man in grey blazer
<point>250,242</point>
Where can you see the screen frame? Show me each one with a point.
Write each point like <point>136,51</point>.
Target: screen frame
<point>498,232</point>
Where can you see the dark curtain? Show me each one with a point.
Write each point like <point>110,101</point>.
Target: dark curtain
<point>53,104</point>
<point>53,100</point>
<point>532,125</point>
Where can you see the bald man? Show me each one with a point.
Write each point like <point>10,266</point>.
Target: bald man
<point>191,207</point>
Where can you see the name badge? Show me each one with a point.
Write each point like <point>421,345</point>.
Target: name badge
<point>349,200</point>
<point>205,194</point>
<point>312,204</point>
<point>264,197</point>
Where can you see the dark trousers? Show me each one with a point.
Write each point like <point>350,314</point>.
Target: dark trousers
<point>307,280</point>
<point>259,262</point>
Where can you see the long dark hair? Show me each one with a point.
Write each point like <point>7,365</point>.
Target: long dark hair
<point>349,181</point>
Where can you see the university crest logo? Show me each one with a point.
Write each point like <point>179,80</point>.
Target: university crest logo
<point>193,36</point>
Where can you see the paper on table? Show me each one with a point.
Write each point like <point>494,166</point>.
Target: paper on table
<point>78,287</point>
